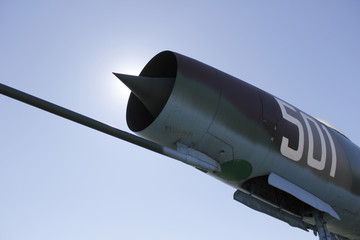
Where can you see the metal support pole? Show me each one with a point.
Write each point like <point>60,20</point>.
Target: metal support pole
<point>99,126</point>
<point>322,230</point>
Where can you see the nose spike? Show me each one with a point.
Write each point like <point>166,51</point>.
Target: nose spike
<point>153,92</point>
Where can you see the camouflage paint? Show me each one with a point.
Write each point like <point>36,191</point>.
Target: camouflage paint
<point>228,120</point>
<point>235,170</point>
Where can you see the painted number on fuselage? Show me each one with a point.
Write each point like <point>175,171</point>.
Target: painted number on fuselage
<point>297,154</point>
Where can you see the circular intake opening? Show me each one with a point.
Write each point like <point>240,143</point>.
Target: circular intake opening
<point>163,65</point>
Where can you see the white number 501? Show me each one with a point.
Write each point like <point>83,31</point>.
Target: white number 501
<point>297,154</point>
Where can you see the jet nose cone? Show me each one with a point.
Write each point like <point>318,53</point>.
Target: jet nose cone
<point>153,92</point>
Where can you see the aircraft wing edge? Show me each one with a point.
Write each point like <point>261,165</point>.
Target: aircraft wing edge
<point>282,184</point>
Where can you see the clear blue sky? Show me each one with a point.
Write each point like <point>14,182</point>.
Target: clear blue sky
<point>59,180</point>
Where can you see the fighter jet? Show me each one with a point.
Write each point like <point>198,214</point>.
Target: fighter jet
<point>280,160</point>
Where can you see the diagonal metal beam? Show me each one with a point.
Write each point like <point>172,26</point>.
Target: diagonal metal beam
<point>102,127</point>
